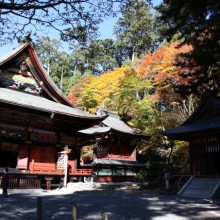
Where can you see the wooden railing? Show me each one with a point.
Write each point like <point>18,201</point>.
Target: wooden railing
<point>37,168</point>
<point>29,183</point>
<point>118,157</point>
<point>81,172</point>
<point>19,183</point>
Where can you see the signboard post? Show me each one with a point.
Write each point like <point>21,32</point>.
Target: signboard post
<point>65,163</point>
<point>65,168</point>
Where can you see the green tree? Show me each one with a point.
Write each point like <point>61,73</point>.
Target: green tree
<point>108,55</point>
<point>200,27</point>
<point>135,30</point>
<point>97,56</point>
<point>47,50</point>
<point>134,92</point>
<point>58,64</point>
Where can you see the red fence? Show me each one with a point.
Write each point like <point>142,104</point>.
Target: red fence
<point>22,183</point>
<point>118,157</point>
<point>38,168</point>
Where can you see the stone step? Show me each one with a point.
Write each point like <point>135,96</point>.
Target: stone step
<point>200,188</point>
<point>199,194</point>
<point>192,195</point>
<point>205,187</point>
<point>188,192</point>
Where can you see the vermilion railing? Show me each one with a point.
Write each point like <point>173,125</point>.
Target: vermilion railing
<point>37,168</point>
<point>118,157</point>
<point>81,172</point>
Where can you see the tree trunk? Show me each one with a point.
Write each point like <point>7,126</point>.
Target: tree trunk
<point>61,80</point>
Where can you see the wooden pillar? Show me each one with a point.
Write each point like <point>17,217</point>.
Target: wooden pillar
<point>48,182</point>
<point>65,168</point>
<point>135,154</point>
<point>65,165</point>
<point>32,166</point>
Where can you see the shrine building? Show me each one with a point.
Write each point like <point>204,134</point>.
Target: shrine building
<point>40,127</point>
<point>36,120</point>
<point>202,131</point>
<point>115,151</point>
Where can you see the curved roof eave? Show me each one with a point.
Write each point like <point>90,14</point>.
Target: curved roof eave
<point>204,103</point>
<point>198,127</point>
<point>16,98</point>
<point>118,125</point>
<point>95,130</point>
<point>10,55</point>
<point>48,84</point>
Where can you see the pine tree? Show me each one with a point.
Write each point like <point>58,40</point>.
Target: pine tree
<point>135,30</point>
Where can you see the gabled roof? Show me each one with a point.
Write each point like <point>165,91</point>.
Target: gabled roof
<point>54,101</point>
<point>204,120</point>
<point>114,123</point>
<point>37,70</point>
<point>208,106</point>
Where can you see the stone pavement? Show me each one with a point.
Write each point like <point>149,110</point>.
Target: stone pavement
<point>121,203</point>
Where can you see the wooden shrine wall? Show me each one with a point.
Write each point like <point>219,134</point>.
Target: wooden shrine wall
<point>205,155</point>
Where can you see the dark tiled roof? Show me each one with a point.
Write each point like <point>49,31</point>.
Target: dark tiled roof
<point>205,118</point>
<point>59,105</point>
<point>117,124</point>
<point>30,101</point>
<point>114,122</point>
<point>202,125</point>
<point>205,103</point>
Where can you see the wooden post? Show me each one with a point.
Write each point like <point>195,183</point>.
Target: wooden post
<point>104,216</point>
<point>74,211</point>
<point>65,152</point>
<point>65,168</point>
<point>39,208</point>
<point>48,182</point>
<point>32,166</point>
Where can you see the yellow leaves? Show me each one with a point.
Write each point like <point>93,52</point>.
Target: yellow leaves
<point>100,92</point>
<point>124,87</point>
<point>108,84</point>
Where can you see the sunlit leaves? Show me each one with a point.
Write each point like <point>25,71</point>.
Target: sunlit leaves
<point>143,96</point>
<point>161,66</point>
<point>99,92</point>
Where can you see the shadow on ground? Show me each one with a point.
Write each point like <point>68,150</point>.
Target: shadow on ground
<point>118,203</point>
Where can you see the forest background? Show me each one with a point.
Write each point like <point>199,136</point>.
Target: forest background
<point>154,71</point>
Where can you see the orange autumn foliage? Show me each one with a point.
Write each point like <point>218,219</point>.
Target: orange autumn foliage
<point>160,66</point>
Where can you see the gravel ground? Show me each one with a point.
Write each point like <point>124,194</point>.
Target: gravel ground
<point>124,203</point>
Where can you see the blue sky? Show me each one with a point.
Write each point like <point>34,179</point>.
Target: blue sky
<point>105,29</point>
